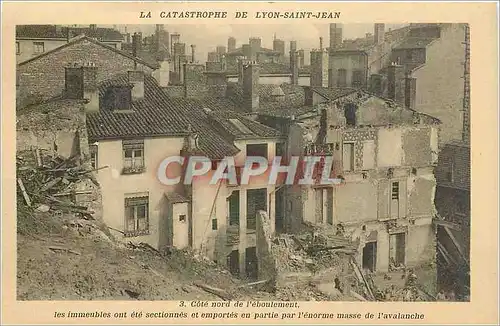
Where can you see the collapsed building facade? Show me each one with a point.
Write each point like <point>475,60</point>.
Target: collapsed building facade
<point>139,113</point>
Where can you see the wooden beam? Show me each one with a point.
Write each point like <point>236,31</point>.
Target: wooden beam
<point>448,224</point>
<point>457,245</point>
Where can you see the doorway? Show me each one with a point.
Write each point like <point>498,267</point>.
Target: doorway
<point>251,263</point>
<point>233,262</point>
<point>370,256</point>
<point>397,245</point>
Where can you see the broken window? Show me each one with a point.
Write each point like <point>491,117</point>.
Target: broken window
<point>234,208</point>
<point>133,156</point>
<point>38,47</point>
<point>257,150</point>
<point>136,216</point>
<point>256,201</point>
<point>348,157</point>
<point>93,156</point>
<point>341,78</point>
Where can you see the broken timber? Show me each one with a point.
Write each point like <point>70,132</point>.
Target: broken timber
<point>23,190</point>
<point>215,291</point>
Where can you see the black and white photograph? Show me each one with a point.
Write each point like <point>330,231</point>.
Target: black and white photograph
<point>261,162</point>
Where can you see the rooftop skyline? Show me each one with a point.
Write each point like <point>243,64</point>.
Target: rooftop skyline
<point>206,37</point>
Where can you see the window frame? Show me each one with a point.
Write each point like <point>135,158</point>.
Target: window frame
<point>353,156</point>
<point>137,165</point>
<point>132,204</point>
<point>36,45</point>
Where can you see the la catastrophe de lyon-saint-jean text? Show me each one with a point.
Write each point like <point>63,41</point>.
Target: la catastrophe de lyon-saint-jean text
<point>244,14</point>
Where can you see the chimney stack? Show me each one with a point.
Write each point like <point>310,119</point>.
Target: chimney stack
<point>231,44</point>
<point>396,83</point>
<point>335,36</point>
<point>193,48</point>
<point>251,76</point>
<point>379,33</point>
<point>81,83</point>
<point>93,27</point>
<point>294,58</point>
<point>136,78</point>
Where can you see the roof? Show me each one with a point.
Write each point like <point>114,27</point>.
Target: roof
<point>53,31</point>
<point>294,96</point>
<point>82,38</point>
<point>333,93</point>
<point>242,127</point>
<point>175,198</point>
<point>414,43</point>
<point>158,115</point>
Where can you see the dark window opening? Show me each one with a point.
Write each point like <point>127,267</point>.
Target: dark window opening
<point>257,150</point>
<point>233,262</point>
<point>234,208</point>
<point>182,218</point>
<point>118,98</point>
<point>251,267</point>
<point>280,149</point>
<point>395,190</point>
<point>350,114</point>
<point>397,245</point>
<point>256,201</point>
<point>214,224</point>
<point>370,256</point>
<point>18,48</point>
<point>357,78</point>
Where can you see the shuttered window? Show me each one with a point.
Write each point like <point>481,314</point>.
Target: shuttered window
<point>256,201</point>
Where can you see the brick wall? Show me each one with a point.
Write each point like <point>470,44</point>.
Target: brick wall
<point>44,77</point>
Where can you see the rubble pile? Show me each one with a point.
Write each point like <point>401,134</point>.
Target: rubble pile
<point>47,182</point>
<point>315,265</point>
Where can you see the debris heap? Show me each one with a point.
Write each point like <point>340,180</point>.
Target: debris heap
<point>49,182</point>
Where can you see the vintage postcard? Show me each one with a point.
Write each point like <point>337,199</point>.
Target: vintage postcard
<point>249,163</point>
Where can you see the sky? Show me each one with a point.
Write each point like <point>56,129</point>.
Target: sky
<point>207,36</point>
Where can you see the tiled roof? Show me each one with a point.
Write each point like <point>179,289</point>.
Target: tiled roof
<point>293,93</point>
<point>51,31</point>
<point>414,43</point>
<point>253,129</point>
<point>159,115</point>
<point>333,93</point>
<point>82,38</point>
<point>284,111</point>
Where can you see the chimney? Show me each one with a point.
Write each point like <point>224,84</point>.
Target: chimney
<point>319,68</point>
<point>241,63</point>
<point>410,92</point>
<point>136,44</point>
<point>321,44</point>
<point>136,78</point>
<point>193,48</point>
<point>396,83</point>
<point>93,27</point>
<point>81,83</point>
<point>251,85</point>
<point>379,33</point>
<point>231,44</point>
<point>58,30</point>
<point>294,58</point>
<point>255,46</point>
<point>335,36</point>
<point>174,39</point>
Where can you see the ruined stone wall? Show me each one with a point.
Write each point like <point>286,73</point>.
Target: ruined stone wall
<point>265,255</point>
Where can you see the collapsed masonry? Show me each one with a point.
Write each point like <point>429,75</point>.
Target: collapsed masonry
<point>317,264</point>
